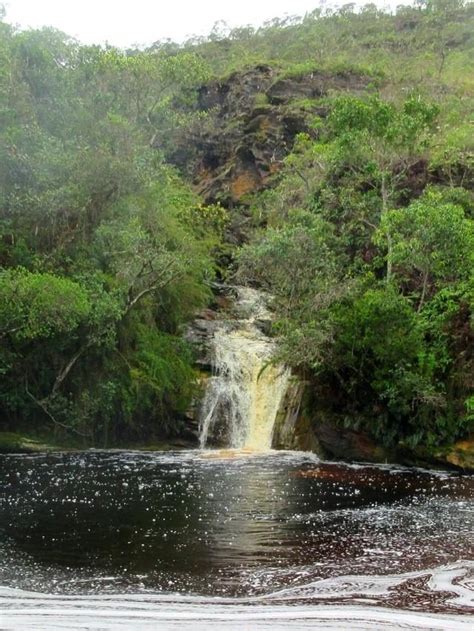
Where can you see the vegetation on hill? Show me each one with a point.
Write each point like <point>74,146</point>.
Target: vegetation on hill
<point>363,233</point>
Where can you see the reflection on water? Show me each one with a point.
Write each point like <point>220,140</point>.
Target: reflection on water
<point>280,534</point>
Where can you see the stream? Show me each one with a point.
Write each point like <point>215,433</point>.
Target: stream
<point>232,540</point>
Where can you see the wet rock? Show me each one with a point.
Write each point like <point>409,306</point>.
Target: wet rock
<point>459,455</point>
<point>199,334</point>
<point>201,330</point>
<point>293,429</point>
<point>264,325</point>
<point>347,444</point>
<point>219,434</point>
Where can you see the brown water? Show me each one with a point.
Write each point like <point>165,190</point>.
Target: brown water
<point>128,540</point>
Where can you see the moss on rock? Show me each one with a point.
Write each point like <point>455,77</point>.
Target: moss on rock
<point>17,443</point>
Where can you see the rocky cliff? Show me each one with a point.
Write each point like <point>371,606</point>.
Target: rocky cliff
<point>252,120</point>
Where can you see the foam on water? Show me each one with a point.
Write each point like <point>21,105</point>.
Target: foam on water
<point>231,539</point>
<point>350,602</point>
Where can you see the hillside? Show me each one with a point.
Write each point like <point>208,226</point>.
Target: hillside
<point>327,160</point>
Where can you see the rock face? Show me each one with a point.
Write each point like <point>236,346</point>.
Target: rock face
<point>293,428</point>
<point>254,117</point>
<point>346,444</point>
<point>459,455</point>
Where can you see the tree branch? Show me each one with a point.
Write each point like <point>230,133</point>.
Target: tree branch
<point>8,331</point>
<point>68,367</point>
<point>43,406</point>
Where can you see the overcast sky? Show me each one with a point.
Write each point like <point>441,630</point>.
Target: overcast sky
<point>127,22</point>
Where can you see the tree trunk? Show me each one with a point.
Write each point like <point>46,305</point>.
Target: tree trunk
<point>384,193</point>
<point>423,291</point>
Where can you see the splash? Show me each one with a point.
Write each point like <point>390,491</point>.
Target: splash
<point>244,395</point>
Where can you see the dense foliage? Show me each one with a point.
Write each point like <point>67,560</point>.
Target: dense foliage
<point>373,281</point>
<point>365,239</point>
<point>105,251</point>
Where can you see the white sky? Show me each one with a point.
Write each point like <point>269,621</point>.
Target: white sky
<point>127,22</point>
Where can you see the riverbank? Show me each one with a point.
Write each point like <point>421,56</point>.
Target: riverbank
<point>13,443</point>
<point>458,457</point>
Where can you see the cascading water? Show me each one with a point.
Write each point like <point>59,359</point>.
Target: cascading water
<point>245,392</point>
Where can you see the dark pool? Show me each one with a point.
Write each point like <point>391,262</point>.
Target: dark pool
<point>229,528</point>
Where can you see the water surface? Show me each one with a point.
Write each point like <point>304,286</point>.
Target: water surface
<point>123,540</point>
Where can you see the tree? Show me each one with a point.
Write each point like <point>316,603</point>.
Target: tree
<point>443,28</point>
<point>148,246</point>
<point>430,237</point>
<point>378,143</point>
<point>39,305</point>
<point>297,264</point>
<point>148,88</point>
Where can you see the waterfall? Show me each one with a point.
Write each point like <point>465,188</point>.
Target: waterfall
<point>245,392</point>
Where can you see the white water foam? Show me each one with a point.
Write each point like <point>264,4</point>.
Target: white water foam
<point>246,389</point>
<point>23,610</point>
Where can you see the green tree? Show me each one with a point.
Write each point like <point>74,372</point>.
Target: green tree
<point>297,264</point>
<point>39,305</point>
<point>378,143</point>
<point>432,238</point>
